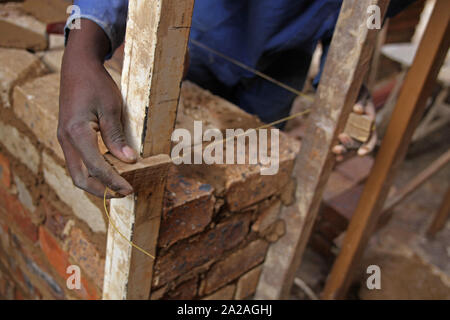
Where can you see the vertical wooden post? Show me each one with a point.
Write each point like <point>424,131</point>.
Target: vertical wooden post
<point>441,216</point>
<point>347,62</point>
<point>410,106</point>
<point>156,41</point>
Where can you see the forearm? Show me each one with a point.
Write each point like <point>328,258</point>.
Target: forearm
<point>90,43</point>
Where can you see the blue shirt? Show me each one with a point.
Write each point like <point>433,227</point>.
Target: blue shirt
<point>253,32</point>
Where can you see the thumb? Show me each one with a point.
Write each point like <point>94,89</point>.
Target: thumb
<point>112,134</point>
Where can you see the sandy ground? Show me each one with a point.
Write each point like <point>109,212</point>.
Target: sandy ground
<point>416,266</point>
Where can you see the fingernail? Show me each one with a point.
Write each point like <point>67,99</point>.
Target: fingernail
<point>358,108</point>
<point>129,153</point>
<point>362,151</point>
<point>115,195</point>
<point>126,192</point>
<point>338,149</point>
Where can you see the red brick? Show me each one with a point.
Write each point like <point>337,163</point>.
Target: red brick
<point>56,256</point>
<point>288,195</point>
<point>188,208</point>
<point>87,290</point>
<point>357,168</point>
<point>246,285</point>
<point>185,291</point>
<point>18,295</point>
<point>14,212</point>
<point>328,230</point>
<point>276,231</point>
<point>59,260</point>
<point>4,237</point>
<point>246,186</point>
<point>29,265</point>
<point>207,247</point>
<point>346,203</point>
<point>337,183</point>
<point>321,245</point>
<point>5,172</point>
<point>55,222</point>
<point>267,216</point>
<point>235,265</point>
<point>225,293</point>
<point>86,255</point>
<point>7,287</point>
<point>241,185</point>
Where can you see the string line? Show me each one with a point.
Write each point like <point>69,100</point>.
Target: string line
<point>245,67</point>
<point>120,233</point>
<point>250,69</point>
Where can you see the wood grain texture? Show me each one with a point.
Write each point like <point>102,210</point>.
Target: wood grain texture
<point>359,127</point>
<point>142,174</point>
<point>418,85</point>
<point>346,65</point>
<point>156,41</point>
<point>441,216</point>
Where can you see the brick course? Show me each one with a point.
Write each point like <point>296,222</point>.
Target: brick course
<point>20,146</point>
<point>17,66</point>
<point>235,265</point>
<point>58,178</point>
<point>208,247</point>
<point>36,103</point>
<point>205,244</point>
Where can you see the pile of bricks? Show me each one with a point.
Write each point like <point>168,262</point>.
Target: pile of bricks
<point>217,224</point>
<point>341,196</point>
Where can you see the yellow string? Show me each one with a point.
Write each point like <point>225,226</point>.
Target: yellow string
<point>256,72</point>
<point>250,69</point>
<point>120,233</point>
<point>222,141</point>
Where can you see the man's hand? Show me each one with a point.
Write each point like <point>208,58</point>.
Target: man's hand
<point>365,106</point>
<point>90,102</point>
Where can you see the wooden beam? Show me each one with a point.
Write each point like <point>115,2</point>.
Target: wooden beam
<point>410,106</point>
<point>347,62</point>
<point>416,182</point>
<point>156,41</point>
<point>441,217</point>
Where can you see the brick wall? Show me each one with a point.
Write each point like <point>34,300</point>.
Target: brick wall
<point>217,224</point>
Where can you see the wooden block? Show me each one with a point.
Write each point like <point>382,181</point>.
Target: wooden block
<point>359,127</point>
<point>142,174</point>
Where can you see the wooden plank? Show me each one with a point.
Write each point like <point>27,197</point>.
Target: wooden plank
<point>359,127</point>
<point>347,62</point>
<point>441,217</point>
<point>155,46</point>
<point>142,174</point>
<point>410,106</point>
<point>417,181</point>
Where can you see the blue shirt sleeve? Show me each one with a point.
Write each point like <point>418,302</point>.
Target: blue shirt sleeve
<point>110,15</point>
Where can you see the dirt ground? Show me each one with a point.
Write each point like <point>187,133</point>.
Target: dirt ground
<point>412,265</point>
